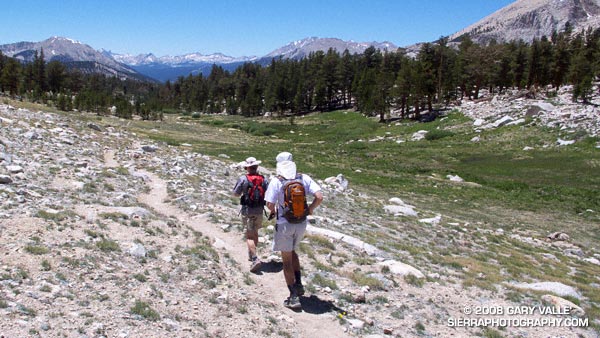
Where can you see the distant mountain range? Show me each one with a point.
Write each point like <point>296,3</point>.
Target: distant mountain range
<point>170,67</point>
<point>523,19</point>
<point>73,53</point>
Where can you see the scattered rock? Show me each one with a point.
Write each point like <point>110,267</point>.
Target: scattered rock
<point>562,142</point>
<point>94,126</point>
<point>14,169</point>
<point>219,244</point>
<point>558,236</point>
<point>138,250</point>
<point>400,210</point>
<point>356,324</point>
<point>592,260</point>
<point>455,178</point>
<point>576,252</point>
<point>562,304</point>
<point>420,135</point>
<point>478,122</point>
<point>502,121</point>
<point>149,148</point>
<point>401,269</point>
<point>5,179</point>
<point>555,287</point>
<point>433,221</point>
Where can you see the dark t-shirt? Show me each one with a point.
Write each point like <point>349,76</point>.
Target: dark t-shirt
<point>241,188</point>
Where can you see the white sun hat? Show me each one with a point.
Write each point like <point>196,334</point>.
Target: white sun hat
<point>250,162</point>
<point>284,156</point>
<point>287,169</point>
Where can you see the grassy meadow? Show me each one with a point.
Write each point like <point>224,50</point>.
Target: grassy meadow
<point>551,187</point>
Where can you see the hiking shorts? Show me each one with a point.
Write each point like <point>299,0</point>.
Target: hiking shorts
<point>252,222</point>
<point>288,236</point>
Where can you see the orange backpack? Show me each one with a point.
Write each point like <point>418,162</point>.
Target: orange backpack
<point>295,208</point>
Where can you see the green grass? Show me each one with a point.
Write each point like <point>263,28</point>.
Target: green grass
<point>323,281</point>
<point>108,245</point>
<point>144,310</point>
<point>36,249</point>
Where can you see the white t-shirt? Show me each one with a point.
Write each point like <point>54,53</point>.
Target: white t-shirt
<point>274,193</point>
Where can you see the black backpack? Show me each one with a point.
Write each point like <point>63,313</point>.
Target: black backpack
<point>254,197</point>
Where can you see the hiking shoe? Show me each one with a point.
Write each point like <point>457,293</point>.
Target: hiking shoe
<point>292,302</point>
<point>256,265</point>
<point>299,289</point>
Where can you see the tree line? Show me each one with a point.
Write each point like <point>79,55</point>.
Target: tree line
<point>68,88</point>
<point>374,82</point>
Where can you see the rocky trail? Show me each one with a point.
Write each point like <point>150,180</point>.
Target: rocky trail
<point>269,285</point>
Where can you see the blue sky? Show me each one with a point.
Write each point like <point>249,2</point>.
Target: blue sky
<point>235,28</point>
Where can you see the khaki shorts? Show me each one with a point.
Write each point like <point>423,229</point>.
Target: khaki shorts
<point>288,236</point>
<point>252,222</point>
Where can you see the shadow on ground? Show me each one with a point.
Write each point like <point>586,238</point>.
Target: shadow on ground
<point>315,305</point>
<point>271,267</point>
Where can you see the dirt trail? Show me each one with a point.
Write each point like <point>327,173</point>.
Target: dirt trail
<point>316,318</point>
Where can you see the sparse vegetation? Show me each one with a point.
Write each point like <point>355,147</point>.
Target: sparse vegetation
<point>144,310</point>
<point>108,245</point>
<point>36,249</point>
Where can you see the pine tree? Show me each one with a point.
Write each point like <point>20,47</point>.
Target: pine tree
<point>9,78</point>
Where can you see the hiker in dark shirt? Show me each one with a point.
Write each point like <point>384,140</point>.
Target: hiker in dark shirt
<point>251,188</point>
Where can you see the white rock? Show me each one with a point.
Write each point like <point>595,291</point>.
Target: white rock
<point>555,287</point>
<point>398,210</point>
<point>562,304</point>
<point>546,106</point>
<point>14,169</point>
<point>455,178</point>
<point>357,243</point>
<point>562,142</point>
<point>476,139</point>
<point>433,221</point>
<point>396,201</point>
<point>219,243</point>
<point>401,269</point>
<point>419,135</point>
<point>138,250</point>
<point>503,121</point>
<point>592,260</point>
<point>516,122</point>
<point>478,122</point>
<point>356,323</point>
<point>527,148</point>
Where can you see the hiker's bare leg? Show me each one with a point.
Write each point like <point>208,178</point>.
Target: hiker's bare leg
<point>288,267</point>
<point>295,262</point>
<point>252,241</point>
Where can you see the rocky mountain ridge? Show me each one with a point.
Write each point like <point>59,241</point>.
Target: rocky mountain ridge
<point>531,19</point>
<point>71,52</point>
